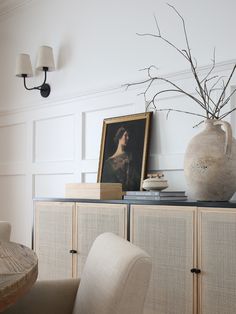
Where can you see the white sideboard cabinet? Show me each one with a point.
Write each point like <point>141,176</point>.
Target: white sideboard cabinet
<point>192,246</point>
<point>168,234</point>
<point>217,260</point>
<point>193,251</point>
<point>54,238</point>
<point>94,219</point>
<point>65,231</point>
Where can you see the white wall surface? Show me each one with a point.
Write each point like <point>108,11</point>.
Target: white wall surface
<point>48,142</point>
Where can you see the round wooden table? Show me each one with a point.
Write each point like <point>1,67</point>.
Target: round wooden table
<point>18,272</point>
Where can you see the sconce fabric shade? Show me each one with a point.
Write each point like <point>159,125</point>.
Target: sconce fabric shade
<point>45,59</point>
<point>23,65</point>
<point>45,63</point>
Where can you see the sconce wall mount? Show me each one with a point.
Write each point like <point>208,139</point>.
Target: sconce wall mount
<point>45,63</point>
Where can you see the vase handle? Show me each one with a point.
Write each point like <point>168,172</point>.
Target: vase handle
<point>228,135</point>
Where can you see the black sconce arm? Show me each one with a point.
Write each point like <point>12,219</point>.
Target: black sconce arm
<point>44,87</point>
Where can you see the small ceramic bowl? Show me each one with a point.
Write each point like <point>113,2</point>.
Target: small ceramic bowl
<point>154,184</point>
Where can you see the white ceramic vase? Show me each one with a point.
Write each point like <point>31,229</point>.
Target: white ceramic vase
<point>210,163</point>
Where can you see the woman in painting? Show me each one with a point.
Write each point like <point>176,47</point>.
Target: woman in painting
<point>119,168</point>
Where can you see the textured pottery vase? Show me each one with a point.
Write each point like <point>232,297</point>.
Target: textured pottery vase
<point>210,163</point>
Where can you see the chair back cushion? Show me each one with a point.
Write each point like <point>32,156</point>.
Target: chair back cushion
<point>5,231</point>
<point>115,278</point>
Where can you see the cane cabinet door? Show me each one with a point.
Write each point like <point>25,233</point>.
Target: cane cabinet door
<point>53,239</point>
<point>168,234</point>
<point>217,260</point>
<point>94,219</point>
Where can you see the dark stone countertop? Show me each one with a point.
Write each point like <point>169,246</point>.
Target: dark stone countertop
<point>230,204</point>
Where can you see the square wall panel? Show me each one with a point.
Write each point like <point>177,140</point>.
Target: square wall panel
<point>54,139</point>
<point>51,185</point>
<point>13,143</point>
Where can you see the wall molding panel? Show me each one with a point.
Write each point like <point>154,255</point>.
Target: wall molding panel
<point>54,139</point>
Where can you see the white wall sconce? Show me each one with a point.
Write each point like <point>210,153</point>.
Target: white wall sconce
<point>45,63</point>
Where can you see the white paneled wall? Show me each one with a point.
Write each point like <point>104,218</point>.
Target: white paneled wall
<point>13,143</point>
<point>45,143</point>
<point>44,148</point>
<point>54,139</point>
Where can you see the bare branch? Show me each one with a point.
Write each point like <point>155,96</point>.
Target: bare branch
<point>179,91</point>
<point>226,85</point>
<point>184,27</point>
<point>209,110</point>
<point>158,28</point>
<point>128,85</point>
<point>149,68</point>
<point>193,67</point>
<point>213,66</point>
<point>205,86</point>
<point>196,125</point>
<point>146,90</point>
<point>226,114</point>
<point>182,111</point>
<point>215,84</point>
<point>163,38</point>
<point>226,100</point>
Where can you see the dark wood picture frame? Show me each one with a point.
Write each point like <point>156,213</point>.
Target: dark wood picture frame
<point>124,149</point>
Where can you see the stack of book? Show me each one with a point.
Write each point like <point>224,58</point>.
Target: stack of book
<point>99,191</point>
<point>156,195</point>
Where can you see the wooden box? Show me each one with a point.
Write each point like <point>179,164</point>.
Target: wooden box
<point>99,191</point>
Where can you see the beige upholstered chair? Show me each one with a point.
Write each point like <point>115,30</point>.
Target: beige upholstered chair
<point>5,231</point>
<point>114,281</point>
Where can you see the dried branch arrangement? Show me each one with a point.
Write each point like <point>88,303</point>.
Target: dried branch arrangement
<point>205,87</point>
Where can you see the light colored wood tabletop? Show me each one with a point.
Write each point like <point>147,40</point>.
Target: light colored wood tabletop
<point>18,272</point>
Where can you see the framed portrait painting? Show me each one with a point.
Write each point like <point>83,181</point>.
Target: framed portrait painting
<point>123,153</point>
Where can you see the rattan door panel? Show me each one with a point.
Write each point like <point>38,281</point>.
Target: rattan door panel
<point>217,261</point>
<point>53,239</point>
<point>168,234</point>
<point>94,219</point>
